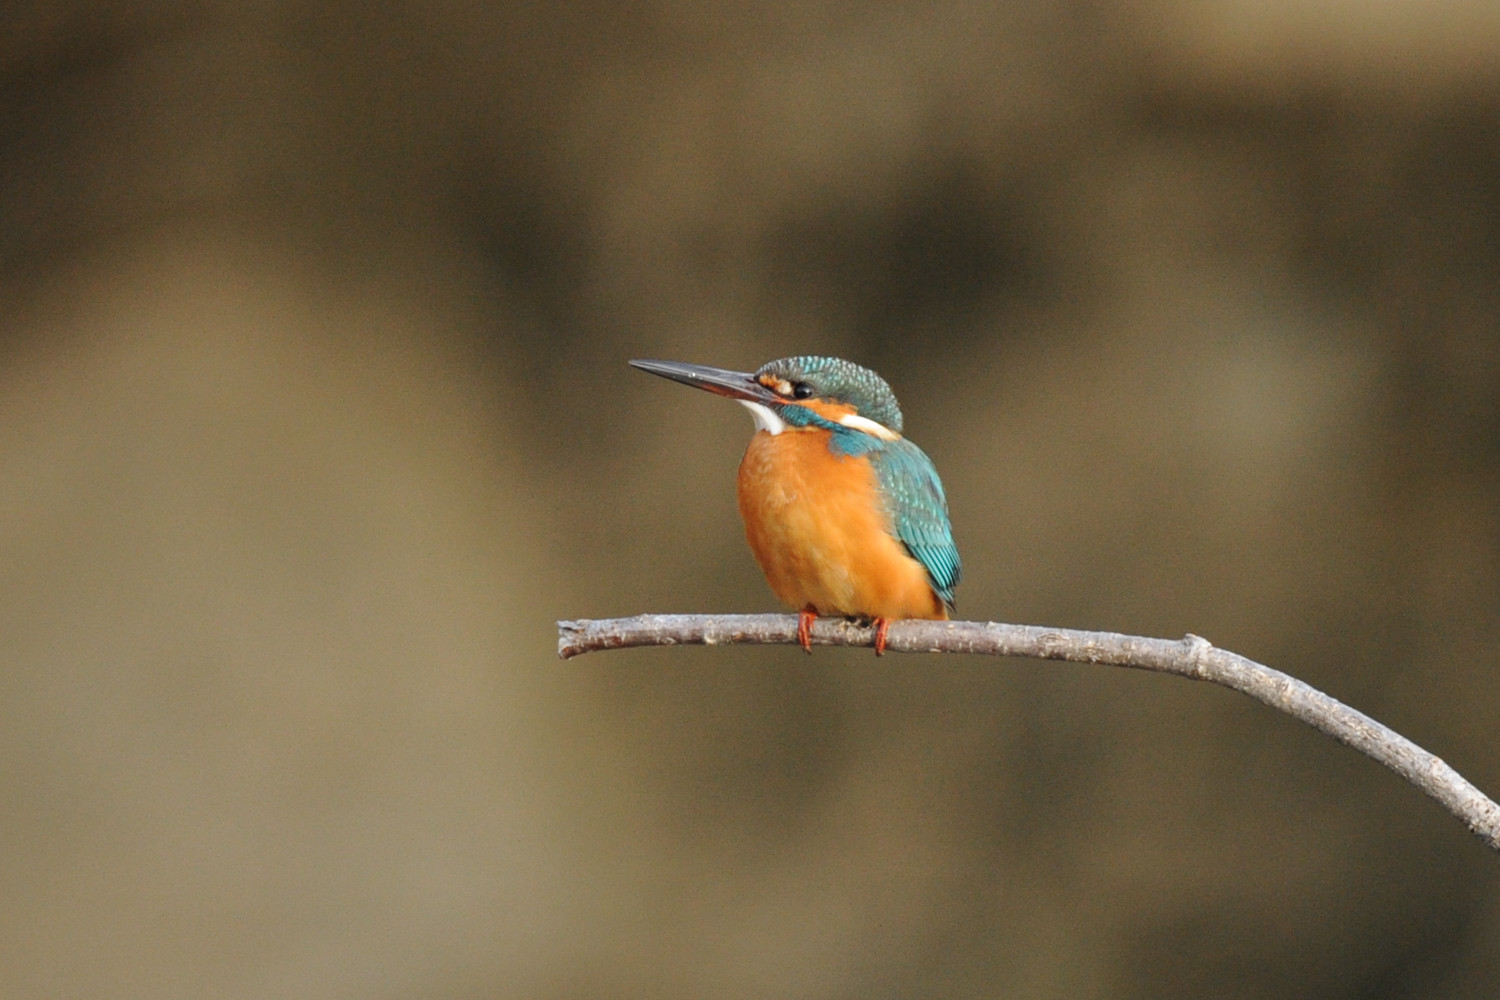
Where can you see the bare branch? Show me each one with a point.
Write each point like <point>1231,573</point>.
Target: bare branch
<point>1190,657</point>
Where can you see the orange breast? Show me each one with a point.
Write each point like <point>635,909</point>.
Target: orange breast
<point>820,533</point>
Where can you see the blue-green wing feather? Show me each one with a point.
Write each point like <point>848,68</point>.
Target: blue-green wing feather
<point>919,511</point>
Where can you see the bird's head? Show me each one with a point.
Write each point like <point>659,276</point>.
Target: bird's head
<point>804,391</point>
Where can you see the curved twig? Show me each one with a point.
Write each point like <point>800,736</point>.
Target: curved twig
<point>1190,657</point>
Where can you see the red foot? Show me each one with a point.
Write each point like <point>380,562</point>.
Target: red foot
<point>882,626</point>
<point>805,618</point>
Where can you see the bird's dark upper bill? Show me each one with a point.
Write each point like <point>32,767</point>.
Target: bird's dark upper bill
<point>735,385</point>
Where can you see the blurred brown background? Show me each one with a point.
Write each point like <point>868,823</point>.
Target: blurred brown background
<point>314,417</point>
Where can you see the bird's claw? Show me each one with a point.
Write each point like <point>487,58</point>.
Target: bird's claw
<point>805,618</point>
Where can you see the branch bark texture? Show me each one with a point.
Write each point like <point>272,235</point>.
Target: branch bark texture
<point>1190,657</point>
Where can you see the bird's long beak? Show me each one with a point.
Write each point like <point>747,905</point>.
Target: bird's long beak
<point>735,385</point>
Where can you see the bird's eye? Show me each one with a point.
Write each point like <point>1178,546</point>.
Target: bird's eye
<point>801,390</point>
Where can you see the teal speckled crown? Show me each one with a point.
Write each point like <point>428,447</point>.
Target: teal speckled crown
<point>842,381</point>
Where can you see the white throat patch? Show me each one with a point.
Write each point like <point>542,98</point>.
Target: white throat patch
<point>765,418</point>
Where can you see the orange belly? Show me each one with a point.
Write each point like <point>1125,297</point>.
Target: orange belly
<point>816,525</point>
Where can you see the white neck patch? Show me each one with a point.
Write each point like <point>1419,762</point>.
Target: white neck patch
<point>765,418</point>
<point>875,429</point>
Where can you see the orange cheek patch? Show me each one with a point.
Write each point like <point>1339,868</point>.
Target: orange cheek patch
<point>827,410</point>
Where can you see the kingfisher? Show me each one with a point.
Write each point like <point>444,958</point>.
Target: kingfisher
<point>844,515</point>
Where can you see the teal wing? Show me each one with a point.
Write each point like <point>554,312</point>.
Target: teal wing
<point>919,511</point>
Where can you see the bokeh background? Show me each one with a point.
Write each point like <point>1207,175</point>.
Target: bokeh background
<point>314,417</point>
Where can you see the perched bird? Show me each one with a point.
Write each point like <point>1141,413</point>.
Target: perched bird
<point>844,515</point>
